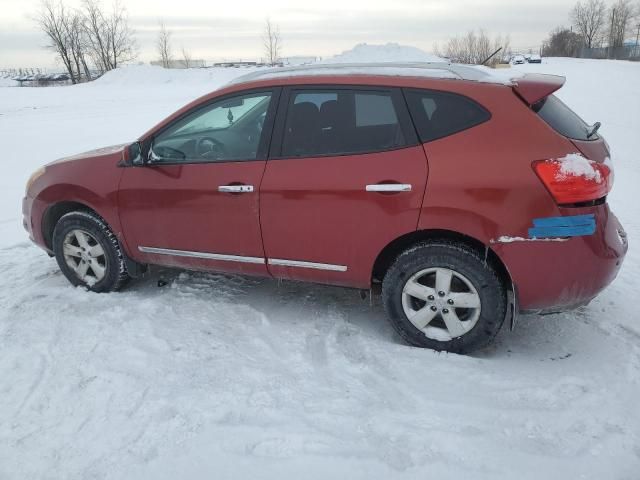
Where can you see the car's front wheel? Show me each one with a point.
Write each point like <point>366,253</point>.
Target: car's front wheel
<point>444,296</point>
<point>88,253</point>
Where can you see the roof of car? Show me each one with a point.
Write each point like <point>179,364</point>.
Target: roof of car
<point>439,70</point>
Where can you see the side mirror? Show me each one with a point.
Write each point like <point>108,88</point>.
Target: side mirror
<point>134,154</point>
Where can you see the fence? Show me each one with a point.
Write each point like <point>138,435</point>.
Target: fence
<point>626,52</point>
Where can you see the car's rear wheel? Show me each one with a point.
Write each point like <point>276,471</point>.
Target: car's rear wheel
<point>444,296</point>
<point>88,253</point>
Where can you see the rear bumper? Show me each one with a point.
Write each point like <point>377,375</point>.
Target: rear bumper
<point>552,276</point>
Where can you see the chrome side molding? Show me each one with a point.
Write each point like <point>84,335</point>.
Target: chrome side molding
<point>297,263</point>
<point>389,187</point>
<point>205,255</point>
<point>281,262</point>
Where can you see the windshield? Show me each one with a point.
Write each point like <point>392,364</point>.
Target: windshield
<point>562,119</point>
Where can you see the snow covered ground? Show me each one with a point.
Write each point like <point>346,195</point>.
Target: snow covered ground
<point>216,376</point>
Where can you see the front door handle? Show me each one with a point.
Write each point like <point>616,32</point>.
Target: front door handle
<point>389,187</point>
<point>235,188</point>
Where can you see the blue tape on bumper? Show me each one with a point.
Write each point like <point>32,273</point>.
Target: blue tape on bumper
<point>574,220</point>
<point>570,226</point>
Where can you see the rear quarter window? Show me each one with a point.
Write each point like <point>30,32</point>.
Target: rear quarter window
<point>440,114</point>
<point>562,119</point>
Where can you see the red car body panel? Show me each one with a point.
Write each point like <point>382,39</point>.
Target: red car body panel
<point>556,275</point>
<point>179,207</point>
<point>317,210</point>
<point>478,183</point>
<point>90,179</point>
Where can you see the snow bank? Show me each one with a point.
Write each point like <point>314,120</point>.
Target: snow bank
<point>390,52</point>
<point>7,82</point>
<point>153,75</point>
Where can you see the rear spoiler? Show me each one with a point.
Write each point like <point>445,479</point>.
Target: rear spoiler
<point>533,87</point>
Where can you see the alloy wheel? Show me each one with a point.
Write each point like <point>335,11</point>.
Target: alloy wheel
<point>441,303</point>
<point>85,256</point>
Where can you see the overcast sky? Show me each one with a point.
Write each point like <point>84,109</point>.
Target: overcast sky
<point>231,29</point>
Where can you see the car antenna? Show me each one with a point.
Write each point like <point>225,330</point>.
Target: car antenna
<point>491,56</point>
<point>594,129</point>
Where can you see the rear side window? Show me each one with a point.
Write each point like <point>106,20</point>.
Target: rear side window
<point>338,122</point>
<point>439,114</point>
<point>562,119</point>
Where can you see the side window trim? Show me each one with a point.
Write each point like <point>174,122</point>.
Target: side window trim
<point>265,138</point>
<point>423,91</point>
<point>399,104</point>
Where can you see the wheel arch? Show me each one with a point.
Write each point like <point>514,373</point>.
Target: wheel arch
<point>55,212</point>
<point>391,251</point>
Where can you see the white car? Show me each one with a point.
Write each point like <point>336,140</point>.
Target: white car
<point>518,60</point>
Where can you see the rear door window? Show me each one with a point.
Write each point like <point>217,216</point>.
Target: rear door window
<point>341,121</point>
<point>439,114</point>
<point>562,119</point>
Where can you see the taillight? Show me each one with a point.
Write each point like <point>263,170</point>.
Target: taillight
<point>574,179</point>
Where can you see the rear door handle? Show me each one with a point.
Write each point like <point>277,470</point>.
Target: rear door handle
<point>389,187</point>
<point>235,188</point>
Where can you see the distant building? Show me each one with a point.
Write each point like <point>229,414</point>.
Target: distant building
<point>300,60</point>
<point>181,63</point>
<point>238,63</point>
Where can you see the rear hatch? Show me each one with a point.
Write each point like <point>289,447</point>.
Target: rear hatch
<point>537,90</point>
<point>584,176</point>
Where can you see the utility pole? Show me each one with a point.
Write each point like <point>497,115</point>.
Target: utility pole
<point>637,37</point>
<point>611,32</point>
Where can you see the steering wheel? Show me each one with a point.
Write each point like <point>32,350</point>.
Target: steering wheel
<point>210,148</point>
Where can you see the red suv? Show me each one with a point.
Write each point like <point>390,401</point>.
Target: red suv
<point>469,199</point>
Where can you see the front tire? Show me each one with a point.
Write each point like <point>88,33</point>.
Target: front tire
<point>88,253</point>
<point>444,296</point>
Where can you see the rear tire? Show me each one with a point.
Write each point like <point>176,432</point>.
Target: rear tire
<point>88,253</point>
<point>444,296</point>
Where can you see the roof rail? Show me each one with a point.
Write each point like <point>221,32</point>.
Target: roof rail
<point>417,69</point>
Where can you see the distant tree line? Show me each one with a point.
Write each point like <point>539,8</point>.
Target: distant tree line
<point>594,23</point>
<point>87,38</point>
<point>475,48</point>
<point>90,40</point>
<point>271,44</point>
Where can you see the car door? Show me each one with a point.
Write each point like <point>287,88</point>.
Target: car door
<point>194,204</point>
<point>346,177</point>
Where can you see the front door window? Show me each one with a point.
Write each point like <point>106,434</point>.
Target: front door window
<point>226,130</point>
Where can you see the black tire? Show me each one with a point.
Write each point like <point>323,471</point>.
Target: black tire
<point>462,260</point>
<point>115,273</point>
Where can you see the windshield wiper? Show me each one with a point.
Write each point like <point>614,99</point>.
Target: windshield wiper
<point>594,130</point>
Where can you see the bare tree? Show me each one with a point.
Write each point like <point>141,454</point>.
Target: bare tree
<point>53,20</point>
<point>562,42</point>
<point>109,38</point>
<point>76,37</point>
<point>82,36</point>
<point>621,14</point>
<point>121,46</point>
<point>474,48</point>
<point>95,25</point>
<point>272,42</point>
<point>589,18</point>
<point>163,44</point>
<point>186,58</point>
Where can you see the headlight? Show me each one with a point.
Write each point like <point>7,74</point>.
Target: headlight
<point>34,176</point>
